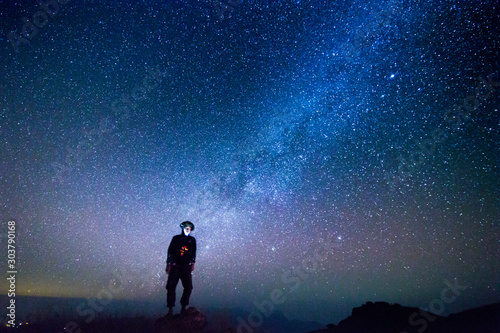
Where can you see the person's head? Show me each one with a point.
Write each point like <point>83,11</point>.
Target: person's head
<point>187,227</point>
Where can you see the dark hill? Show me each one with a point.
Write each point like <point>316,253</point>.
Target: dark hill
<point>381,317</point>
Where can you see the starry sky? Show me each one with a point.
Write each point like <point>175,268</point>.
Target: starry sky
<point>367,131</point>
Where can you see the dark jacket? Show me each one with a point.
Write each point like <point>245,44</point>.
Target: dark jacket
<point>182,250</point>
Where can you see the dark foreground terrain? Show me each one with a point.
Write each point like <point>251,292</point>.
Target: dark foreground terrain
<point>378,317</point>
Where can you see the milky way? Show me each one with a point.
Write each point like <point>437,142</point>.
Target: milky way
<point>364,130</point>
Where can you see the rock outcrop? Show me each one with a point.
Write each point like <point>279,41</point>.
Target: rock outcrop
<point>382,317</point>
<point>191,321</point>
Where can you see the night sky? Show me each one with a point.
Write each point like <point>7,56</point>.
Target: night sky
<point>365,133</point>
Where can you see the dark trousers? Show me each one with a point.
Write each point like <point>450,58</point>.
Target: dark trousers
<point>176,273</point>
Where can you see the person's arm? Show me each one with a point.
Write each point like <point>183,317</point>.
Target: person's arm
<point>170,257</point>
<point>193,257</point>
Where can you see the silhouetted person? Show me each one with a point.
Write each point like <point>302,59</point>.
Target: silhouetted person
<point>180,263</point>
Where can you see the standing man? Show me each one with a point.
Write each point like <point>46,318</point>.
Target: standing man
<point>180,263</point>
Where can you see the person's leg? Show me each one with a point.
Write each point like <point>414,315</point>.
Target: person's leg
<point>187,284</point>
<point>173,279</point>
